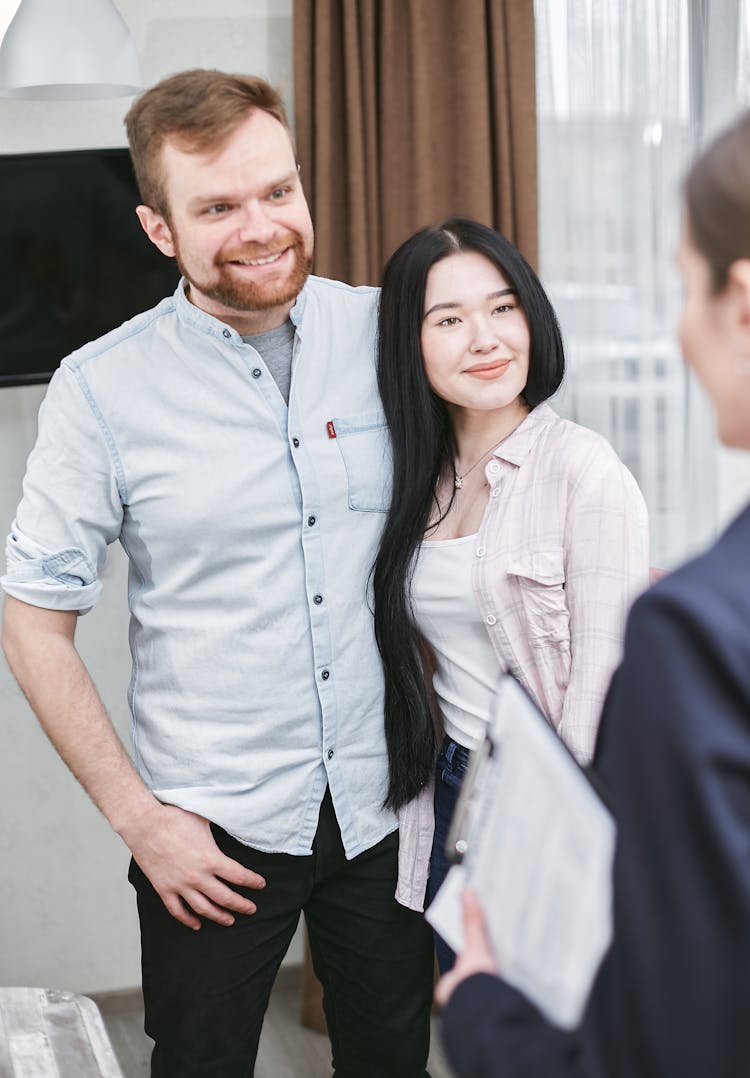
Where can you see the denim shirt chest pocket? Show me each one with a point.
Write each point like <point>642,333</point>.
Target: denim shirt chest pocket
<point>540,576</point>
<point>365,448</point>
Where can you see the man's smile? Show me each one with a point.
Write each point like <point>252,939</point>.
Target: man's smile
<point>259,261</point>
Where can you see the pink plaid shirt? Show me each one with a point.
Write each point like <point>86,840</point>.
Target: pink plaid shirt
<point>562,551</point>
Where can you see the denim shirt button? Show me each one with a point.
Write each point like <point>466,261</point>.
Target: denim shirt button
<point>325,675</point>
<point>257,372</point>
<point>310,521</point>
<point>329,754</point>
<point>317,599</point>
<point>226,333</point>
<point>295,443</point>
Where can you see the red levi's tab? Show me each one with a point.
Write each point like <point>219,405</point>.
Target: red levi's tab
<point>331,429</point>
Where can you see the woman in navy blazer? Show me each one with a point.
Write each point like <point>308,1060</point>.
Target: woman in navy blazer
<point>671,999</point>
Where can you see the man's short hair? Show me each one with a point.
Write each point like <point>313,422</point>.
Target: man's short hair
<point>197,110</point>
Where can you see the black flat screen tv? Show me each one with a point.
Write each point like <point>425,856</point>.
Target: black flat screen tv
<point>74,260</point>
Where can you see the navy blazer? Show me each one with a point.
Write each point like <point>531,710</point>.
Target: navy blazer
<point>672,999</point>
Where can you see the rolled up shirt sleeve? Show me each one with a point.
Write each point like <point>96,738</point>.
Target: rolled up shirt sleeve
<point>72,503</point>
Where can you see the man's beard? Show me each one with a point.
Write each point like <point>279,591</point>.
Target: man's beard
<point>241,295</point>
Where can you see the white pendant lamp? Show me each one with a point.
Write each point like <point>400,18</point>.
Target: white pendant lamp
<point>68,50</point>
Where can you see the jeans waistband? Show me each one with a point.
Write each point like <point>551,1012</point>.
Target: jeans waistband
<point>454,756</point>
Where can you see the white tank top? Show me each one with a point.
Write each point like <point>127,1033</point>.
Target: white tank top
<point>448,616</point>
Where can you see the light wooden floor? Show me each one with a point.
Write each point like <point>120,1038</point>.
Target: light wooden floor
<point>287,1050</point>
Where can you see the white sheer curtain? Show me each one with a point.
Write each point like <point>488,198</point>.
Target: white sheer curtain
<point>624,89</point>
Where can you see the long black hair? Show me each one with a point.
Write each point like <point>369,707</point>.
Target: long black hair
<point>423,447</point>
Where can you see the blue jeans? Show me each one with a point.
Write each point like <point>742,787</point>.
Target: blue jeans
<point>449,774</point>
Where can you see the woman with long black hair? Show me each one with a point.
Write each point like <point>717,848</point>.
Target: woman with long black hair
<point>516,540</point>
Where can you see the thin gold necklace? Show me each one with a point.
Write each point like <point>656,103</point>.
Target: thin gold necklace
<point>458,480</point>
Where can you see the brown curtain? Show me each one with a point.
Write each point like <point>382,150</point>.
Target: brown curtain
<point>407,111</point>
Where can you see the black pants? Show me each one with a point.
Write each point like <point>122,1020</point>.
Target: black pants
<point>206,992</point>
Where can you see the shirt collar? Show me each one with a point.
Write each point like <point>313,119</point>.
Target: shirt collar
<point>517,446</point>
<point>201,320</point>
<point>207,323</point>
<point>298,309</point>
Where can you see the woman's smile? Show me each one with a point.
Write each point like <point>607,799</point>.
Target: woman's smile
<point>486,371</point>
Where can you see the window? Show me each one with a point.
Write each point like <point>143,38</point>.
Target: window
<point>626,90</point>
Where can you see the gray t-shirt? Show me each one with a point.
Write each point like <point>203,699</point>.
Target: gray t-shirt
<point>275,347</point>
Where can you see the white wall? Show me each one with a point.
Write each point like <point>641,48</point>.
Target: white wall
<point>67,915</point>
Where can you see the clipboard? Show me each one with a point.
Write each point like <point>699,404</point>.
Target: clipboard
<point>533,837</point>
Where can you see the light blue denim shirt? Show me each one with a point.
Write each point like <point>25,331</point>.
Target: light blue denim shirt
<point>250,531</point>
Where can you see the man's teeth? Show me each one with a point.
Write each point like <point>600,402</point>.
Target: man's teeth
<point>259,261</point>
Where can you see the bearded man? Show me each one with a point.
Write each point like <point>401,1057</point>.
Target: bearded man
<point>232,440</point>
